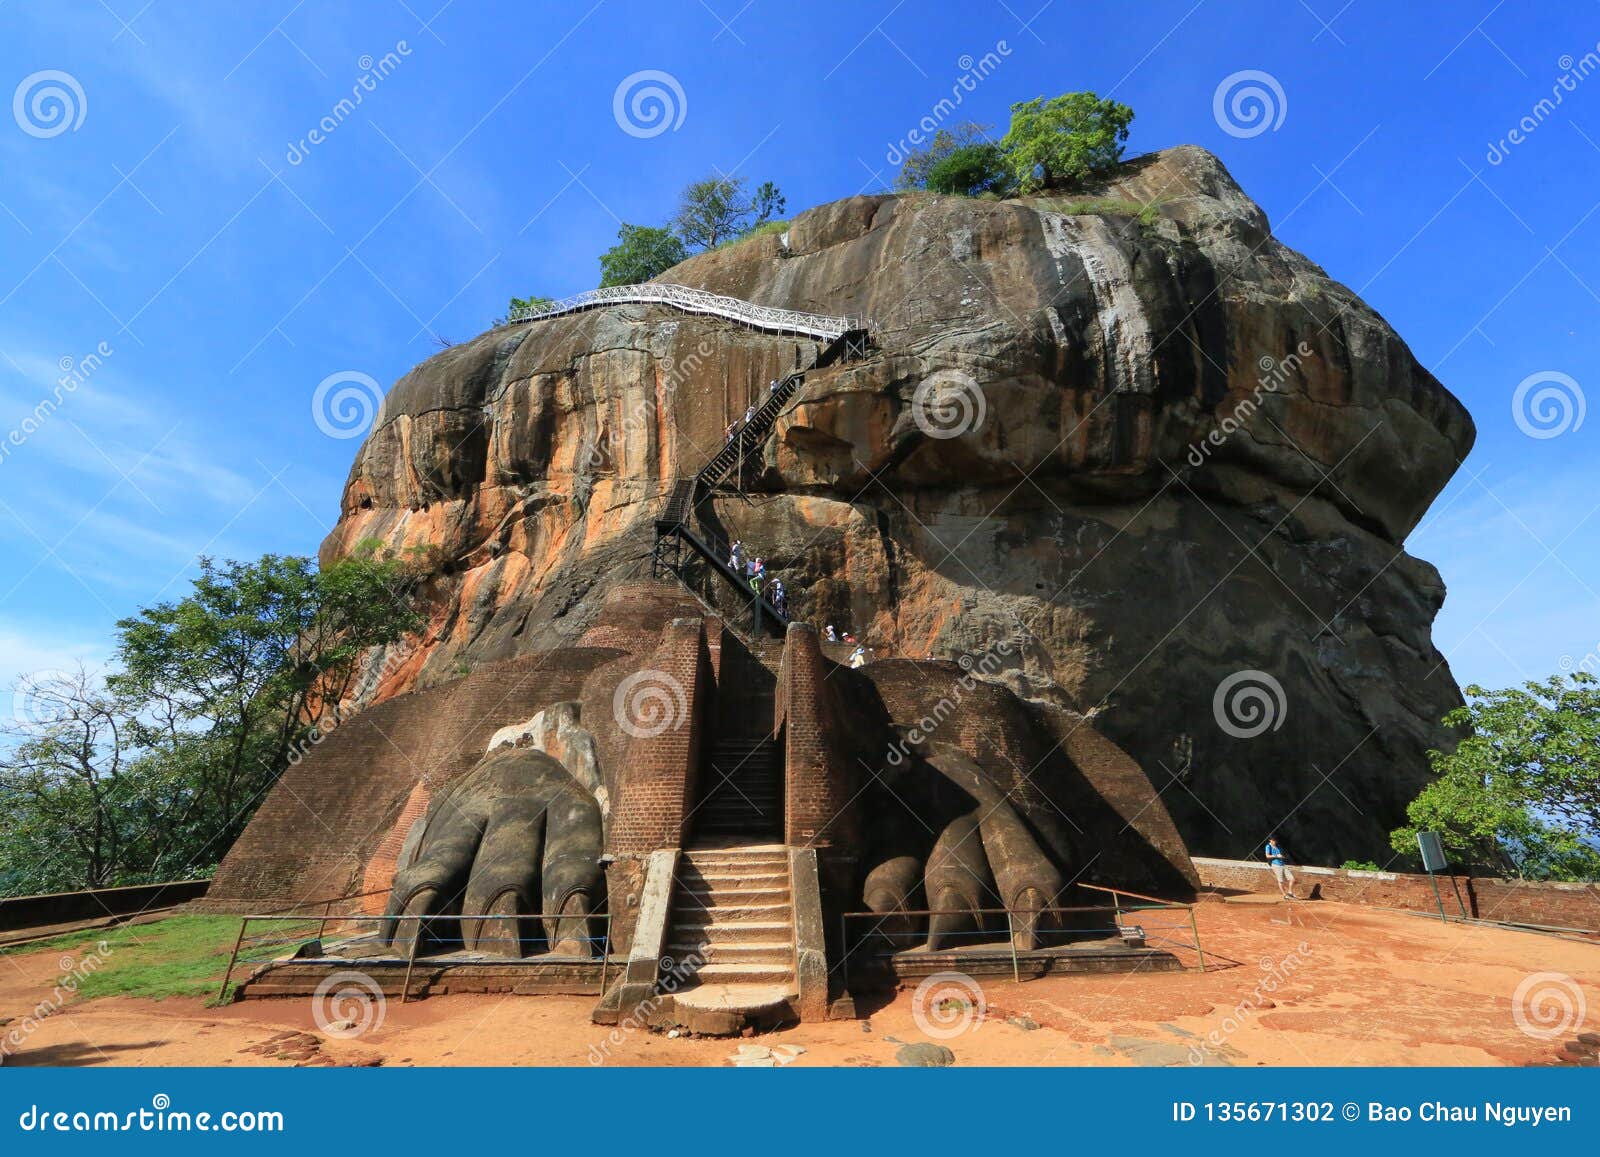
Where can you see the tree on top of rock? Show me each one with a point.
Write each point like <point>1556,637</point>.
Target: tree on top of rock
<point>718,209</point>
<point>920,162</point>
<point>520,306</point>
<point>1064,139</point>
<point>641,252</point>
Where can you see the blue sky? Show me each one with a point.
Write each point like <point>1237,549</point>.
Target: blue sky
<point>174,220</point>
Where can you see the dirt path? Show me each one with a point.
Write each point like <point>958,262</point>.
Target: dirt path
<point>1349,986</point>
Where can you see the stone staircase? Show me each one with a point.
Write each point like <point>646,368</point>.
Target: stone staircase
<point>732,936</point>
<point>741,790</point>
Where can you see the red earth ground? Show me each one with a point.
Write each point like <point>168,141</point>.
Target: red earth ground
<point>1341,985</point>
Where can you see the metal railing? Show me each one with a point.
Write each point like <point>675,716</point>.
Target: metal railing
<point>286,934</point>
<point>701,301</point>
<point>1154,904</point>
<point>1116,911</point>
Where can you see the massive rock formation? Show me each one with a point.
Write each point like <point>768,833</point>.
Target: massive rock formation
<point>1183,466</point>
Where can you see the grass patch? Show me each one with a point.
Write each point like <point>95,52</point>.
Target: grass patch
<point>1146,215</point>
<point>178,956</point>
<point>761,230</point>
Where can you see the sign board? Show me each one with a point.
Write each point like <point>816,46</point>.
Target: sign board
<point>1433,858</point>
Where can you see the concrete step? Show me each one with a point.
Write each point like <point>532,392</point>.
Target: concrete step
<point>722,877</point>
<point>733,931</point>
<point>776,866</point>
<point>737,851</point>
<point>743,973</point>
<point>738,900</point>
<point>719,810</point>
<point>777,952</point>
<point>720,813</point>
<point>739,795</point>
<point>729,915</point>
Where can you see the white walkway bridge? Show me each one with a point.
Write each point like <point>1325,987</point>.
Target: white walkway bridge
<point>764,317</point>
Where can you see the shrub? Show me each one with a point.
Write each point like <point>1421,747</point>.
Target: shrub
<point>919,163</point>
<point>971,170</point>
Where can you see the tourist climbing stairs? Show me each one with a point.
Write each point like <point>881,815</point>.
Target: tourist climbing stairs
<point>843,338</point>
<point>673,539</point>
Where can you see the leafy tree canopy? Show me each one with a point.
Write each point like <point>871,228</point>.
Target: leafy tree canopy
<point>152,772</point>
<point>1521,791</point>
<point>718,209</point>
<point>641,252</point>
<point>1064,139</point>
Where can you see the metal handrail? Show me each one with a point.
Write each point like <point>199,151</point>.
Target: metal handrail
<point>414,942</point>
<point>1114,910</point>
<point>701,301</point>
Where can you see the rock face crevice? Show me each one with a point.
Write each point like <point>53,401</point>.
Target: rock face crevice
<point>1192,454</point>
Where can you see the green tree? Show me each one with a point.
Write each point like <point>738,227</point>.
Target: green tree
<point>154,771</point>
<point>519,305</point>
<point>971,170</point>
<point>718,209</point>
<point>641,252</point>
<point>768,203</point>
<point>1521,791</point>
<point>919,162</point>
<point>1064,139</point>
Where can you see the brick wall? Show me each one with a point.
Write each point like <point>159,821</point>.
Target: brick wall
<point>818,773</point>
<point>1514,901</point>
<point>655,785</point>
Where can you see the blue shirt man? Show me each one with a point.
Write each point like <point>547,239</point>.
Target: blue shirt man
<point>1280,870</point>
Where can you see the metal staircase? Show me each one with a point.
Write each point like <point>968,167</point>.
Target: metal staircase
<point>674,533</point>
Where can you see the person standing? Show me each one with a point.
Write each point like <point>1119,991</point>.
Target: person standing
<point>1280,868</point>
<point>736,555</point>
